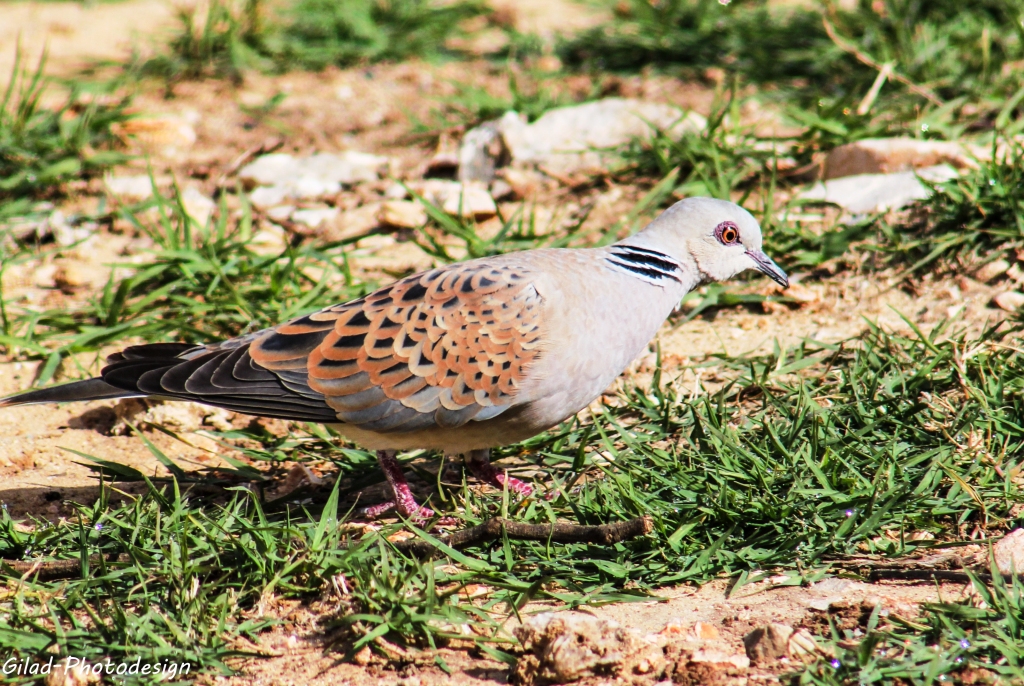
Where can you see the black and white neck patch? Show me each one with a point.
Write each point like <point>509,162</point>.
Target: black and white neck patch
<point>651,265</point>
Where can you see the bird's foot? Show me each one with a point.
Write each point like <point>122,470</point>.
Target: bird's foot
<point>420,515</point>
<point>404,501</point>
<point>482,469</point>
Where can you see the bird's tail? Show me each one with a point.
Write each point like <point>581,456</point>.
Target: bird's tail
<point>90,389</point>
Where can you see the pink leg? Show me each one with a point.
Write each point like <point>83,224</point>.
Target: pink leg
<point>479,462</point>
<point>404,500</point>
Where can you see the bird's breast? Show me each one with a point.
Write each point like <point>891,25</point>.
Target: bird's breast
<point>594,325</point>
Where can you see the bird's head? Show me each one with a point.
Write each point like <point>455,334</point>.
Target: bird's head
<point>718,238</point>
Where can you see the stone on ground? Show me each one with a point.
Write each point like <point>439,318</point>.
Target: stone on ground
<point>129,188</point>
<point>564,647</point>
<point>278,177</point>
<point>768,642</point>
<point>315,216</point>
<point>869,193</point>
<point>578,139</point>
<point>892,155</point>
<point>1009,550</point>
<point>402,214</point>
<point>457,199</point>
<point>197,205</point>
<point>1011,301</point>
<point>992,270</point>
<point>480,153</point>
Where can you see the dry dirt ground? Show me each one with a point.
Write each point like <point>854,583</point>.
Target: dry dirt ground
<point>298,655</point>
<point>373,110</point>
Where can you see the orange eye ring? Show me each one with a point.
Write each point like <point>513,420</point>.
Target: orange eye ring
<point>727,233</point>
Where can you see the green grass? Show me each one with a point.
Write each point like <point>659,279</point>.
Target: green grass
<point>787,465</point>
<point>803,457</point>
<point>968,221</point>
<point>202,282</point>
<point>973,219</point>
<point>207,282</point>
<point>529,93</point>
<point>954,55</point>
<point>238,35</point>
<point>44,148</point>
<point>980,641</point>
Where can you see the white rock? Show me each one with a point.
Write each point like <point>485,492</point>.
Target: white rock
<point>314,217</point>
<point>567,646</point>
<point>396,191</point>
<point>280,213</point>
<point>1009,550</point>
<point>197,205</point>
<point>1011,301</point>
<point>715,656</point>
<point>467,200</point>
<point>64,234</point>
<point>271,240</point>
<point>768,642</point>
<point>330,169</point>
<point>279,177</point>
<point>269,170</point>
<point>43,276</point>
<point>892,155</point>
<point>480,152</point>
<point>868,193</point>
<point>348,167</point>
<point>992,270</point>
<point>266,197</point>
<point>352,223</point>
<point>173,414</point>
<point>403,214</point>
<point>586,137</point>
<point>802,645</point>
<point>308,186</point>
<point>470,201</point>
<point>129,188</point>
<point>524,182</point>
<point>502,190</point>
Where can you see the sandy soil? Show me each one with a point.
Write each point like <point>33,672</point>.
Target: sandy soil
<point>297,655</point>
<point>373,109</point>
<point>76,34</point>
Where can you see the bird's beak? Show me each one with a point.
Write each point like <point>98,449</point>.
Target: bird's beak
<point>766,265</point>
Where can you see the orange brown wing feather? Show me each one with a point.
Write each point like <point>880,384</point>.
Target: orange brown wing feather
<point>434,349</point>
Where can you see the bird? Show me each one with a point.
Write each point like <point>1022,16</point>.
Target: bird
<point>461,358</point>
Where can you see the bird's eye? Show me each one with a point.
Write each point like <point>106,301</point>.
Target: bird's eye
<point>727,233</point>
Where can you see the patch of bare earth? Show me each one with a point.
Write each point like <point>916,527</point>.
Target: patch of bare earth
<point>74,35</point>
<point>700,632</point>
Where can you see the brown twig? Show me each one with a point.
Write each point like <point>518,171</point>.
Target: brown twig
<point>51,570</point>
<point>866,59</point>
<point>606,534</point>
<point>559,532</point>
<point>946,567</point>
<point>930,575</point>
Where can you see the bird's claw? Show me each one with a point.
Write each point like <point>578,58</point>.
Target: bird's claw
<point>420,515</point>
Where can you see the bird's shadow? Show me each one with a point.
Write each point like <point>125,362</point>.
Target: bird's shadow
<point>56,502</point>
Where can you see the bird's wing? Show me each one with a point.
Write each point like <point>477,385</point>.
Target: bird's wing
<point>436,349</point>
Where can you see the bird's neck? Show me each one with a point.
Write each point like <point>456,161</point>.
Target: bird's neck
<point>643,259</point>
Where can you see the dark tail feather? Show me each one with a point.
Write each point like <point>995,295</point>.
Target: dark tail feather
<point>90,389</point>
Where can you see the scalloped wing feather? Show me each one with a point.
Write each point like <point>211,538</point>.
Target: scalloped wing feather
<point>436,349</point>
